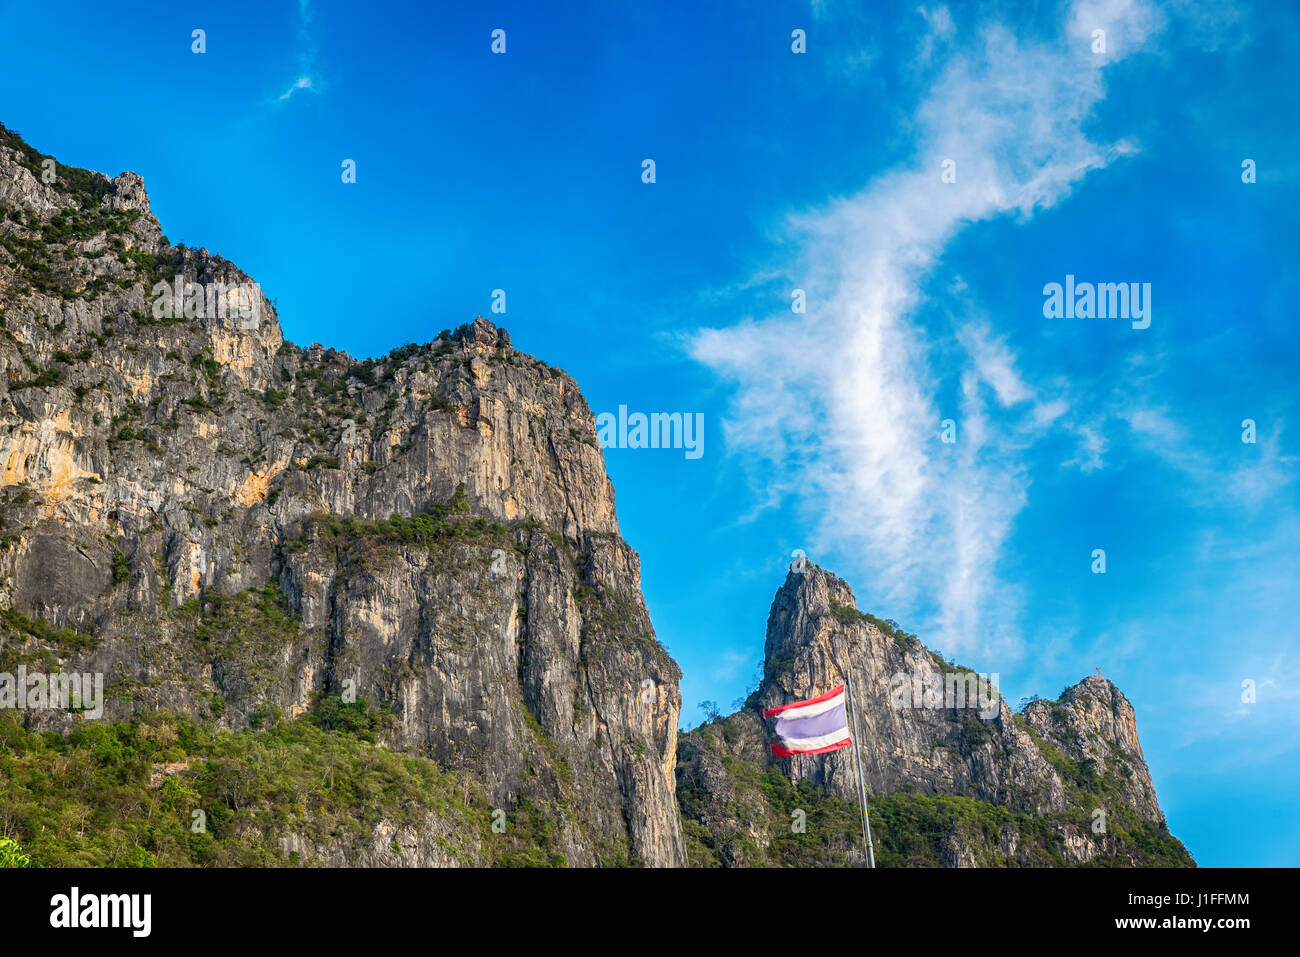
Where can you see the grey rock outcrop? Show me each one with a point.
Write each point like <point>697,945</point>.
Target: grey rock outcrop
<point>929,730</point>
<point>155,467</point>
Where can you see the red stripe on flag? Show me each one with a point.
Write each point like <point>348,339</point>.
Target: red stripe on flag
<point>797,704</point>
<point>783,752</point>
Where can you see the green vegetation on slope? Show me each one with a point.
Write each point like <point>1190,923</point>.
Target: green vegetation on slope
<point>759,828</point>
<point>124,795</point>
<point>87,187</point>
<point>16,627</point>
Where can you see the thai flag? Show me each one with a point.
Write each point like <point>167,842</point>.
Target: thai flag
<point>814,726</point>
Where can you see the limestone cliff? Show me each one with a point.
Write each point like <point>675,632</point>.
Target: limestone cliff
<point>234,528</point>
<point>955,777</point>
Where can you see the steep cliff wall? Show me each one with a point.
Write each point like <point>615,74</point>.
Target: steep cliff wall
<point>231,527</point>
<point>955,777</point>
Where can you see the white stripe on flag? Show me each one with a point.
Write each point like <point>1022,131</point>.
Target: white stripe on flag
<point>821,741</point>
<point>813,709</point>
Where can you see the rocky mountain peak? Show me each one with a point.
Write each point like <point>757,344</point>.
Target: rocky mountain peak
<point>129,193</point>
<point>927,728</point>
<point>482,334</point>
<point>808,594</point>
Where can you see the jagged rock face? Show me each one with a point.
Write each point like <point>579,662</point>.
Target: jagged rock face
<point>1050,769</point>
<point>951,750</point>
<point>150,465</point>
<point>1093,722</point>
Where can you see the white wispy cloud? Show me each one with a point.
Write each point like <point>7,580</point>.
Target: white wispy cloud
<point>731,663</point>
<point>302,83</point>
<point>1249,475</point>
<point>842,404</point>
<point>308,78</point>
<point>1211,708</point>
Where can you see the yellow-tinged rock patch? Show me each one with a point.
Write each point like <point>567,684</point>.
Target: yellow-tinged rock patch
<point>258,484</point>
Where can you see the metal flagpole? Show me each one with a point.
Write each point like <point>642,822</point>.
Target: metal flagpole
<point>862,787</point>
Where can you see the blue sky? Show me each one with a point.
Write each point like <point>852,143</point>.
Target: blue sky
<point>818,171</point>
